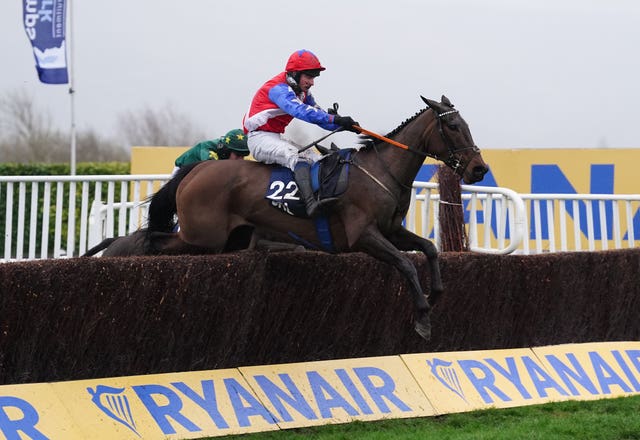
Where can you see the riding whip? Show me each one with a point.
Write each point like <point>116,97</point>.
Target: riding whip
<point>319,140</point>
<point>382,138</point>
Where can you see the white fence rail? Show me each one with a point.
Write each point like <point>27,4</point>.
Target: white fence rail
<point>503,204</point>
<point>500,221</point>
<point>576,222</point>
<point>132,215</point>
<point>53,218</point>
<point>497,220</point>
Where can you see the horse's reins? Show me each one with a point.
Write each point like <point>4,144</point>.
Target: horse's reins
<point>306,147</point>
<point>395,144</point>
<point>453,160</point>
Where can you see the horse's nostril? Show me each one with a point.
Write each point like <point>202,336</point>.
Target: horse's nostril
<point>480,170</point>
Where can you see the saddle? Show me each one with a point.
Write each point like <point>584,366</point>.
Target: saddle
<point>329,178</point>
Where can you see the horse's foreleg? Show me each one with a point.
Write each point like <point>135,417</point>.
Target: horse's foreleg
<point>376,245</point>
<point>408,241</point>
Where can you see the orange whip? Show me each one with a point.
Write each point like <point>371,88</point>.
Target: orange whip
<point>382,138</point>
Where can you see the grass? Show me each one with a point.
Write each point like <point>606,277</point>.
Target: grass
<point>606,419</point>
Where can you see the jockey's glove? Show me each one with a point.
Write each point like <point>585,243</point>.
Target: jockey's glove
<point>346,122</point>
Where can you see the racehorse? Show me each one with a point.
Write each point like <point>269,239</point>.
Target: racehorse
<point>221,204</point>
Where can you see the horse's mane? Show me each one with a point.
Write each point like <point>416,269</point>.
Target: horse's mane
<point>369,141</point>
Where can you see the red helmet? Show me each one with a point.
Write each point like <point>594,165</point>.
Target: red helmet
<point>303,60</point>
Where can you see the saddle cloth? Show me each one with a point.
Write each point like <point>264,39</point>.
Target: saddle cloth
<point>329,178</point>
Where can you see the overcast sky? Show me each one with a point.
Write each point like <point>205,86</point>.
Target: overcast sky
<point>537,73</point>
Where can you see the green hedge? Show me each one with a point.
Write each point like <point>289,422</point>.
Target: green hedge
<point>62,169</point>
<point>16,169</point>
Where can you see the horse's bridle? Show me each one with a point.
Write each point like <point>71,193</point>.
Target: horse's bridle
<point>453,160</point>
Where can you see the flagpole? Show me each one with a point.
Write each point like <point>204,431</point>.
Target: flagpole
<point>72,91</point>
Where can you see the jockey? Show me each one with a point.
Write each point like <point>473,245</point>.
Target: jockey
<point>232,145</point>
<point>277,102</point>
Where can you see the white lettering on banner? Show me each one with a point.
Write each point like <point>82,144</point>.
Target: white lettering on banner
<point>45,14</point>
<point>31,18</point>
<point>46,11</point>
<point>597,378</point>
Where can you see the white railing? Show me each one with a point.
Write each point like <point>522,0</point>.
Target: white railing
<point>497,220</point>
<point>503,204</point>
<point>581,222</point>
<point>65,202</point>
<point>500,221</point>
<point>132,215</point>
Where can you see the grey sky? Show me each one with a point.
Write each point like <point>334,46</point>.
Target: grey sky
<point>543,73</point>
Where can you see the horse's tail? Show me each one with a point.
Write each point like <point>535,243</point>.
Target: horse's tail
<point>100,246</point>
<point>162,209</point>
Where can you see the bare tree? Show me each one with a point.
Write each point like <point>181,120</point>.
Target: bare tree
<point>27,134</point>
<point>91,147</point>
<point>156,127</point>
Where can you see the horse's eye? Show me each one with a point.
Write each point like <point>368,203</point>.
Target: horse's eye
<point>453,127</point>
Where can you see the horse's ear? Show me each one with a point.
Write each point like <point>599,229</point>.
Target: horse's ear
<point>446,101</point>
<point>428,101</point>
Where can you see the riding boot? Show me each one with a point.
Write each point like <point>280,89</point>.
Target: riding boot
<point>303,179</point>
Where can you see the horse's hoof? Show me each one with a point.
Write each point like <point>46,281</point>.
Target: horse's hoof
<point>423,327</point>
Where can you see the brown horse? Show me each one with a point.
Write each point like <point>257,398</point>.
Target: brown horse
<point>221,204</point>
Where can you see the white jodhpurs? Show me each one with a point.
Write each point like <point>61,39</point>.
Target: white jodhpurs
<point>269,147</point>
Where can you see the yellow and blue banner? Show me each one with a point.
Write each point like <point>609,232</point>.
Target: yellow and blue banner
<point>559,171</point>
<point>242,400</point>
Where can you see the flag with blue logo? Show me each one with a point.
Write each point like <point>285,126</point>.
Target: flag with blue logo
<point>44,23</point>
